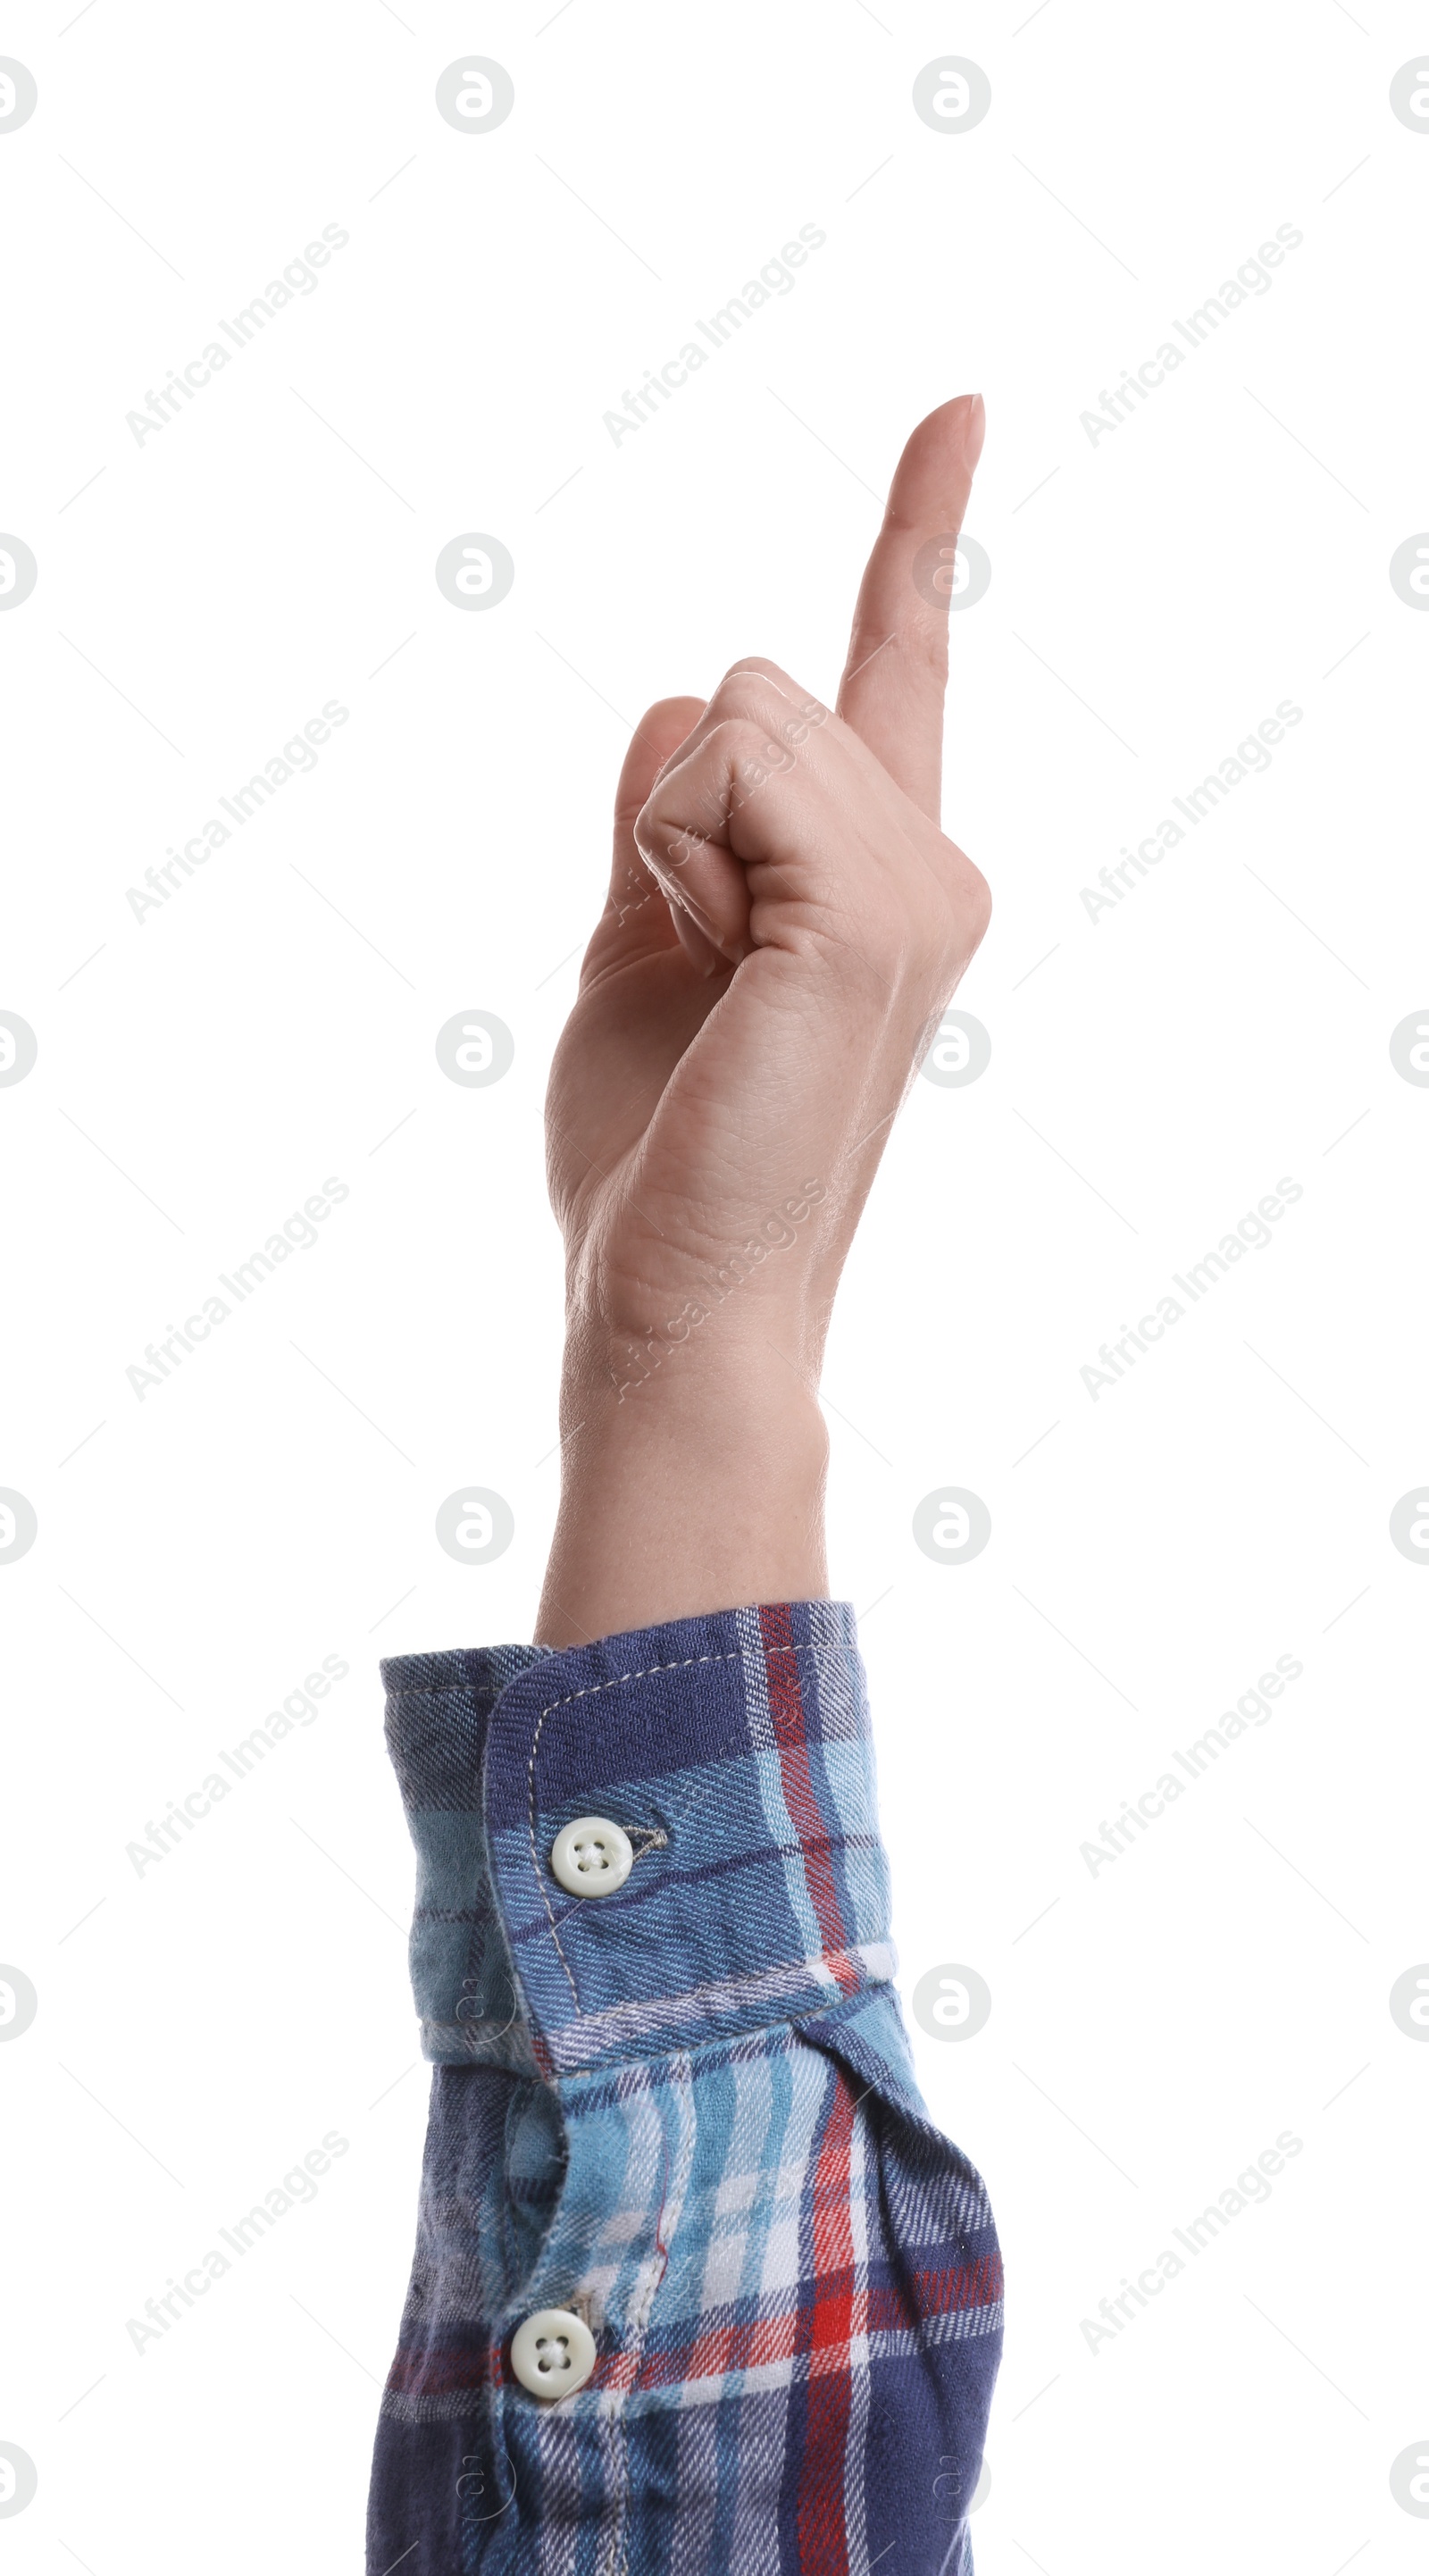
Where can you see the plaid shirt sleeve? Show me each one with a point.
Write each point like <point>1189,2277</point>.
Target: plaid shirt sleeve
<point>685,2114</point>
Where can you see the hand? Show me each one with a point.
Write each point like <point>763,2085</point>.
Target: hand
<point>785,924</point>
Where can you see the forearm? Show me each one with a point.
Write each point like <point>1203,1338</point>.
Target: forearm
<point>697,1487</point>
<point>652,1933</point>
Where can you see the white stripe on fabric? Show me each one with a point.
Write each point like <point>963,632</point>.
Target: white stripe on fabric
<point>809,2078</point>
<point>557,2530</point>
<point>760,2444</point>
<point>727,2253</point>
<point>799,1982</point>
<point>838,1676</point>
<point>615,2484</point>
<point>676,2102</point>
<point>856,2447</point>
<point>635,2199</point>
<point>696,2472</point>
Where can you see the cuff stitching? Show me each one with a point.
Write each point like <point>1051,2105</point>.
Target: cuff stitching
<point>593,1690</point>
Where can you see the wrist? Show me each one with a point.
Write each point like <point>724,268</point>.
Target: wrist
<point>694,1487</point>
<point>694,1360</point>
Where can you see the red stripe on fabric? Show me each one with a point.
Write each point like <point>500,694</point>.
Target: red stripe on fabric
<point>823,2536</point>
<point>815,2327</point>
<point>722,2349</point>
<point>974,2285</point>
<point>786,1711</point>
<point>750,2344</point>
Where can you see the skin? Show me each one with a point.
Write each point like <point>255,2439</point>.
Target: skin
<point>785,924</point>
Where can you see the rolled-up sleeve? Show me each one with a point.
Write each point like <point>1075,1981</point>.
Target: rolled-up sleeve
<point>698,2285</point>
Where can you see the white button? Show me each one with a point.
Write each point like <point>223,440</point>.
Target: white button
<point>592,1857</point>
<point>553,2353</point>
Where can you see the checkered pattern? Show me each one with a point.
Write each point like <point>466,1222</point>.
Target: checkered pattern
<point>684,2110</point>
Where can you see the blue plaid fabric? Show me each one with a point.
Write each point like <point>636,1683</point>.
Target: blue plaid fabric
<point>685,2112</point>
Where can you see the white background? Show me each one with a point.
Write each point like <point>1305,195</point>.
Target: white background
<point>1154,1073</point>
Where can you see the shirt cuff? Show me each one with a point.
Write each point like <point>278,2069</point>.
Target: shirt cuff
<point>734,1752</point>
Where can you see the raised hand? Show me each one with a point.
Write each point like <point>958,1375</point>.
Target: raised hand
<point>785,924</point>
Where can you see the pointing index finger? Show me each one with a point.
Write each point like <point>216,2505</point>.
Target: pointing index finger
<point>897,668</point>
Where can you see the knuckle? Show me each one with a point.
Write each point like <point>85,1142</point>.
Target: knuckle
<point>740,693</point>
<point>659,830</point>
<point>974,902</point>
<point>731,729</point>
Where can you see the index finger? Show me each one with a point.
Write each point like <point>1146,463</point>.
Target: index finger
<point>897,668</point>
